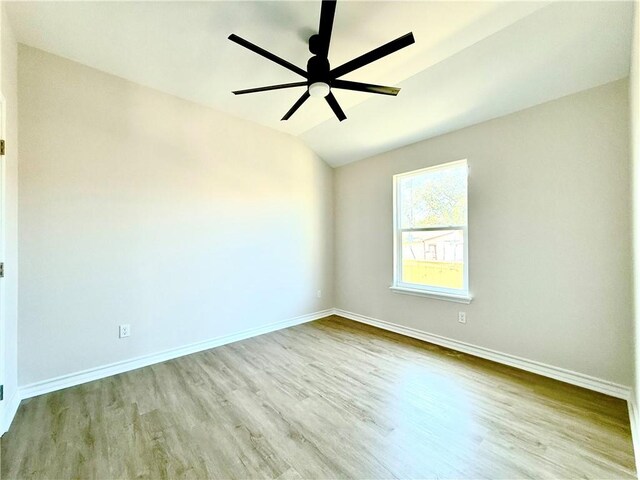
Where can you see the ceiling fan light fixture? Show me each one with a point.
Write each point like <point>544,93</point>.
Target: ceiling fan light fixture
<point>319,89</point>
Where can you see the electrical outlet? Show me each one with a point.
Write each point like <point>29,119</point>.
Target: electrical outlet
<point>462,317</point>
<point>319,293</point>
<point>125,330</point>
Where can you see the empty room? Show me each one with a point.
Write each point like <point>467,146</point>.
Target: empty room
<point>319,239</point>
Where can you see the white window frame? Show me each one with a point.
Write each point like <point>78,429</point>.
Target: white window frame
<point>454,295</point>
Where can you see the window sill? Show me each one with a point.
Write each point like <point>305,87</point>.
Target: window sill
<point>450,297</point>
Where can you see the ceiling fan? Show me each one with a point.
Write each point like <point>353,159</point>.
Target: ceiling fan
<point>320,77</point>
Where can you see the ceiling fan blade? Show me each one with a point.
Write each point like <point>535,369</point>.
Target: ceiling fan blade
<point>296,106</point>
<point>364,87</point>
<point>373,55</point>
<point>270,87</point>
<point>261,51</point>
<point>327,13</point>
<point>333,103</point>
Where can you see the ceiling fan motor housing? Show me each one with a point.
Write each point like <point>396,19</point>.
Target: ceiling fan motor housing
<point>318,70</point>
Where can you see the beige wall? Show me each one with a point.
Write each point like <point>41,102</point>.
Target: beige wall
<point>634,102</point>
<point>138,207</point>
<point>549,226</point>
<point>8,87</point>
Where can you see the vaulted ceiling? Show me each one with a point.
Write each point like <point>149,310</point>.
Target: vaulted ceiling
<point>472,61</point>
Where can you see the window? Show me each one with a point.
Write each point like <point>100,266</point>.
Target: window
<point>430,232</point>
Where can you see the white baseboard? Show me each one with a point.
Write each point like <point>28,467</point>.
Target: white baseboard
<point>635,426</point>
<point>568,376</point>
<point>10,410</point>
<point>77,378</point>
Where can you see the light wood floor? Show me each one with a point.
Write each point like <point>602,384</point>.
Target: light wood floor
<point>329,399</point>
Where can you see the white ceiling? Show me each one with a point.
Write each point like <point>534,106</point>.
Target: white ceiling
<point>472,61</point>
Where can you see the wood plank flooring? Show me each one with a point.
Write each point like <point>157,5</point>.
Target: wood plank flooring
<point>328,399</point>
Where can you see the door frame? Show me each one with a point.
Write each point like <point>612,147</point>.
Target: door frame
<point>3,372</point>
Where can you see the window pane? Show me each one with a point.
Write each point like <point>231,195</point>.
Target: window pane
<point>433,258</point>
<point>434,198</point>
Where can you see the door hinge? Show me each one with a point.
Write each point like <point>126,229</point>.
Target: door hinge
<point>1,147</point>
<point>1,392</point>
<point>1,269</point>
